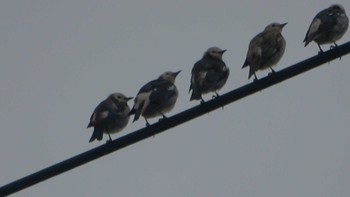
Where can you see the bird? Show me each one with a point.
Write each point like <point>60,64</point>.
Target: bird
<point>327,27</point>
<point>110,116</point>
<point>265,49</point>
<point>209,74</point>
<point>156,98</point>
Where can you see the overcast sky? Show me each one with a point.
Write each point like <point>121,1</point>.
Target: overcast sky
<point>59,59</point>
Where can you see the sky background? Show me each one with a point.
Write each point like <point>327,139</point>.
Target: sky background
<point>59,59</point>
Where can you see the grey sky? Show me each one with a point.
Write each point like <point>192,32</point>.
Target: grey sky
<point>59,59</point>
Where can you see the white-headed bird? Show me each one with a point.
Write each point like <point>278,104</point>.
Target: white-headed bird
<point>265,49</point>
<point>156,98</point>
<point>209,74</point>
<point>110,116</point>
<point>328,26</point>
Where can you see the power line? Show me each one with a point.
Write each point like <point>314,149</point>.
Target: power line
<point>175,120</point>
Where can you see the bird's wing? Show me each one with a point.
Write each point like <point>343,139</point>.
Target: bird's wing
<point>202,65</point>
<point>270,44</point>
<point>142,99</point>
<point>254,51</point>
<point>216,72</point>
<point>207,71</point>
<point>199,71</point>
<point>162,91</point>
<point>323,22</point>
<point>102,113</point>
<point>148,86</point>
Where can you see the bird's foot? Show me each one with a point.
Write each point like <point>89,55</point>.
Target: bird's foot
<point>215,95</point>
<point>320,52</point>
<point>319,47</point>
<point>334,45</point>
<point>272,72</point>
<point>162,119</point>
<point>109,138</point>
<point>255,78</point>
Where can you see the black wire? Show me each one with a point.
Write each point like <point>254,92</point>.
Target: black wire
<point>175,120</point>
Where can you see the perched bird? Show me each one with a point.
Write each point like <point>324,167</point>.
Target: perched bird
<point>328,26</point>
<point>110,116</point>
<point>265,49</point>
<point>209,74</point>
<point>156,98</point>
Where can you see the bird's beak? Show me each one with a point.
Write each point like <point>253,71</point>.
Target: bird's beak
<point>223,51</point>
<point>284,24</point>
<point>129,98</point>
<point>176,73</point>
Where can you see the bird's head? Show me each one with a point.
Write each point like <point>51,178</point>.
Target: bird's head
<point>275,27</point>
<point>214,52</point>
<point>337,8</point>
<point>169,76</point>
<point>119,97</point>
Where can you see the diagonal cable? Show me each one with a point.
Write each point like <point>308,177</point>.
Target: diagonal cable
<point>175,120</point>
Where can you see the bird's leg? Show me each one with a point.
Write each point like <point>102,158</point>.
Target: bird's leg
<point>110,139</point>
<point>164,117</point>
<point>333,46</point>
<point>321,51</point>
<point>202,100</point>
<point>215,95</point>
<point>272,71</point>
<point>147,123</point>
<point>255,78</point>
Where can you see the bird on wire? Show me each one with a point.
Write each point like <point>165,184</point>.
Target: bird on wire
<point>110,116</point>
<point>265,49</point>
<point>209,74</point>
<point>327,27</point>
<point>156,98</point>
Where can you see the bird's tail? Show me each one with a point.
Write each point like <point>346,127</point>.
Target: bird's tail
<point>196,94</point>
<point>137,115</point>
<point>136,111</point>
<point>246,63</point>
<point>97,134</point>
<point>306,42</point>
<point>251,72</point>
<point>307,39</point>
<point>89,125</point>
<point>132,111</point>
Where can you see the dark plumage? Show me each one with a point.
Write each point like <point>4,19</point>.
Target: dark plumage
<point>209,74</point>
<point>156,98</point>
<point>110,116</point>
<point>265,49</point>
<point>328,26</point>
